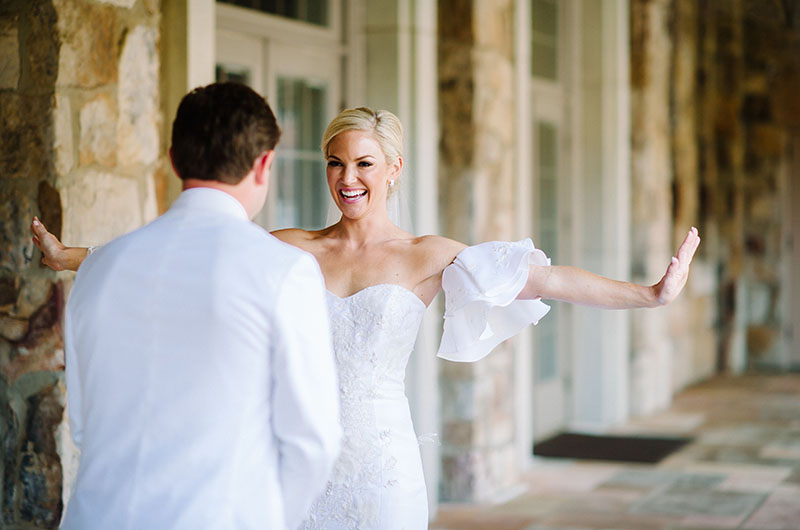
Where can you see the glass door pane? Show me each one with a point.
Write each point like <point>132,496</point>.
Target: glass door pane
<point>547,206</point>
<point>233,73</point>
<point>302,191</point>
<point>240,59</point>
<point>544,39</point>
<point>313,11</point>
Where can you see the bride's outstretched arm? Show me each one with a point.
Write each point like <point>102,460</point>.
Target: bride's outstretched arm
<point>578,286</point>
<point>54,254</point>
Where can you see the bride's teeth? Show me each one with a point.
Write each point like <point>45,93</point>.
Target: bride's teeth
<point>353,194</point>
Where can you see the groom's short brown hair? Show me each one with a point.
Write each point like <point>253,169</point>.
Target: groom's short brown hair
<point>219,130</point>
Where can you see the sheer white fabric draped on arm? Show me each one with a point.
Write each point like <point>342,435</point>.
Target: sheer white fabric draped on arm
<point>481,287</point>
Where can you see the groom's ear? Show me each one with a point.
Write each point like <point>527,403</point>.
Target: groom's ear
<point>263,165</point>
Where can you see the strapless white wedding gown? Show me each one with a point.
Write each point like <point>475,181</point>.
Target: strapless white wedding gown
<point>377,482</point>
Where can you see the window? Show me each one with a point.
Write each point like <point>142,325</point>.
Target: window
<point>302,191</point>
<point>544,39</point>
<point>297,67</point>
<point>313,11</point>
<point>547,206</point>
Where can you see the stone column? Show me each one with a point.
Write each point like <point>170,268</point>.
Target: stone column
<point>709,205</point>
<point>80,129</point>
<point>726,155</point>
<point>692,320</point>
<point>771,71</point>
<point>476,196</point>
<point>651,175</point>
<point>31,297</point>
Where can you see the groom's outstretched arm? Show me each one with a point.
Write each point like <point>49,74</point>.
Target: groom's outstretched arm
<point>306,393</point>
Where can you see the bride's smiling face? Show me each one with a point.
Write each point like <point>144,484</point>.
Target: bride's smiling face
<point>358,173</point>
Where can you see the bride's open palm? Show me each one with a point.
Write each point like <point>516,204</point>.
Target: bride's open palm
<point>668,288</point>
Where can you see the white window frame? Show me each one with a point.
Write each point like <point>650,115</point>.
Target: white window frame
<point>282,29</point>
<point>273,46</point>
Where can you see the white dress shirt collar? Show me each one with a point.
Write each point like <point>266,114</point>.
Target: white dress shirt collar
<point>210,199</point>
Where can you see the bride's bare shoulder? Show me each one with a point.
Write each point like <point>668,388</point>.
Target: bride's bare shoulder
<point>290,235</point>
<point>304,239</point>
<point>438,250</point>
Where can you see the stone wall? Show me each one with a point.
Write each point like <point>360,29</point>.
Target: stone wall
<point>770,115</point>
<point>476,184</point>
<point>80,126</point>
<point>711,122</point>
<point>651,213</point>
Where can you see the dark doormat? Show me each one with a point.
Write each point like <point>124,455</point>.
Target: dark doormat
<point>619,448</point>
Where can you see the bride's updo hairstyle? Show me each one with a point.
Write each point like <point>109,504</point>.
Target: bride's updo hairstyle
<point>384,126</point>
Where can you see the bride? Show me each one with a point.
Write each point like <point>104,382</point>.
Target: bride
<point>380,280</point>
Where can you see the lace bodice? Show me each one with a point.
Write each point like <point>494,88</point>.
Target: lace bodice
<point>377,482</point>
<point>373,333</point>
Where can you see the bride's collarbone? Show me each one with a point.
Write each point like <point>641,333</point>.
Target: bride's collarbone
<point>348,271</point>
<point>345,280</point>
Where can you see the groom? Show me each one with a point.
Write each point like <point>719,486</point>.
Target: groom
<point>200,379</point>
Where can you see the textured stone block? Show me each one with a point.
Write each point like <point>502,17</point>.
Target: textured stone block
<point>10,438</point>
<point>32,294</point>
<point>458,476</point>
<point>9,53</point>
<point>120,3</point>
<point>458,433</point>
<point>765,140</point>
<point>780,510</point>
<point>138,128</point>
<point>99,206</point>
<point>40,466</point>
<point>25,134</point>
<point>458,400</point>
<point>496,28</point>
<point>88,53</point>
<point>63,144</point>
<point>695,501</point>
<point>756,108</point>
<point>12,329</point>
<point>9,288</point>
<point>98,141</point>
<point>42,47</point>
<point>42,348</point>
<point>761,339</point>
<point>16,209</point>
<point>161,177</point>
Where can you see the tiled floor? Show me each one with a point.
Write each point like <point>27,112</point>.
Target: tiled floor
<point>741,471</point>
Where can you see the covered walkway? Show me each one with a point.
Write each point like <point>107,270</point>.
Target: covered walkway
<point>742,470</point>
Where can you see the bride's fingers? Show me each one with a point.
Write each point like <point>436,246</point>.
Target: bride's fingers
<point>689,246</point>
<point>38,228</point>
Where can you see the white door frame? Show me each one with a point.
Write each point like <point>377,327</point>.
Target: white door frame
<point>598,367</point>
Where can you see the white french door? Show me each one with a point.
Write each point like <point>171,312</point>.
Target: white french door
<point>306,90</point>
<point>551,202</point>
<point>297,66</point>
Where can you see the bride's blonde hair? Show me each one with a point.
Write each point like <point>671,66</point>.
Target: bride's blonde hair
<point>384,125</point>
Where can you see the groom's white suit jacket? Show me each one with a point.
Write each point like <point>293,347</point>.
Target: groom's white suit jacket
<point>200,379</point>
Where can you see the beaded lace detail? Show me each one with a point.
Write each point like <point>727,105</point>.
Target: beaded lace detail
<point>373,333</point>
